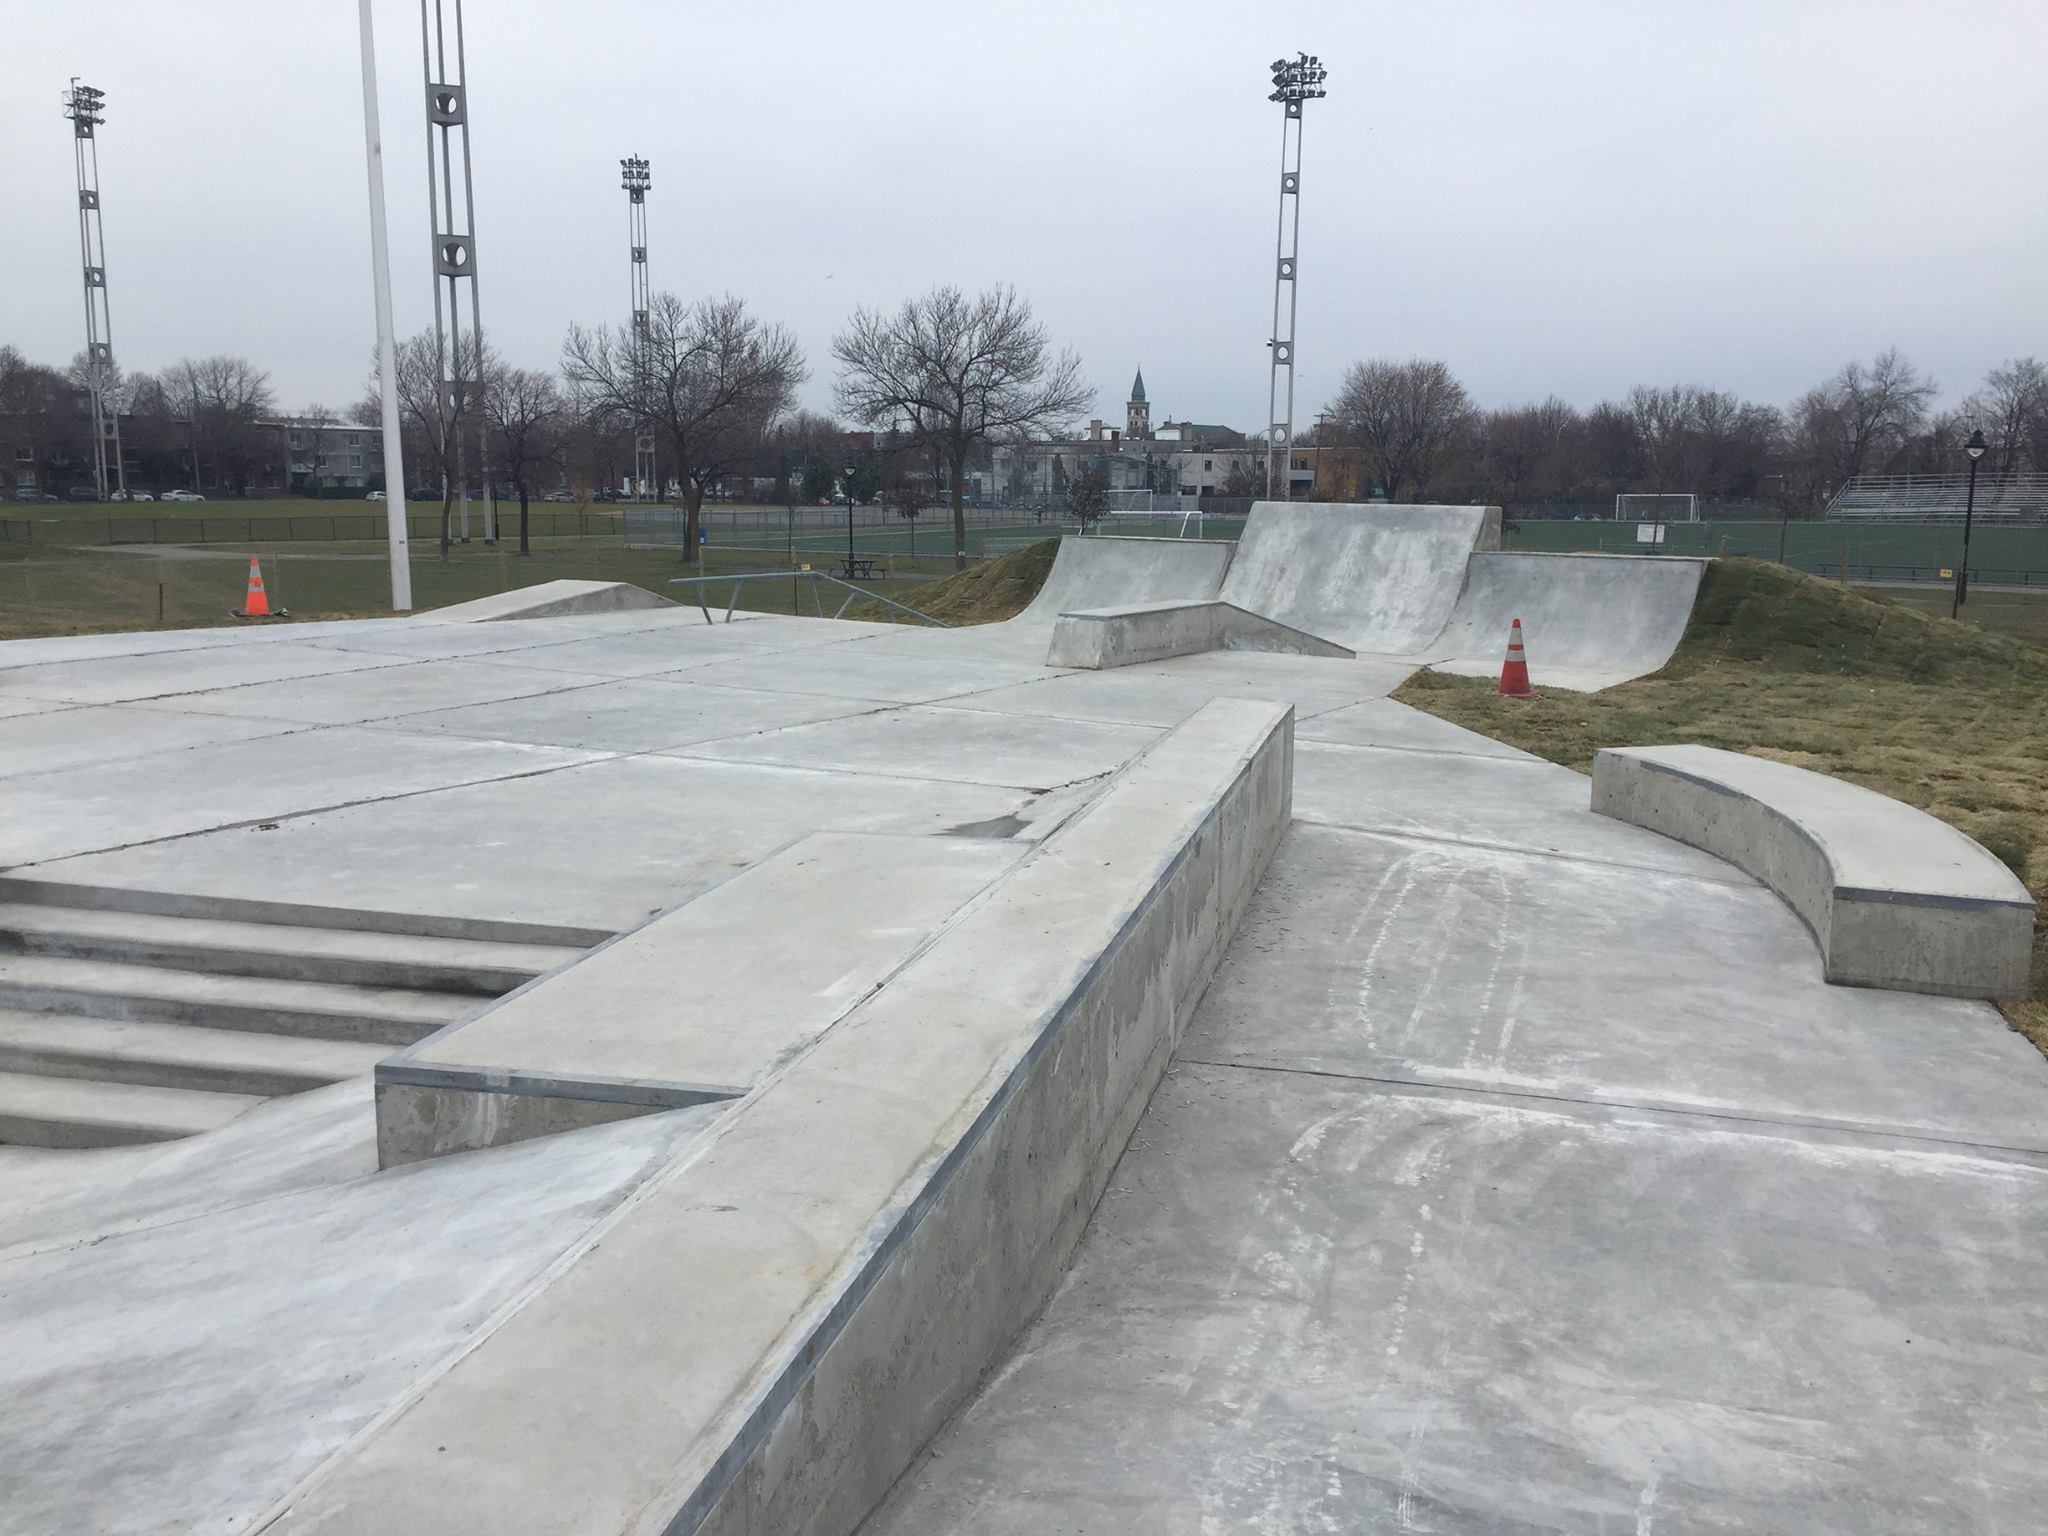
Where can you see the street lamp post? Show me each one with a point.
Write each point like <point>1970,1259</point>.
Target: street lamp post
<point>1975,449</point>
<point>849,522</point>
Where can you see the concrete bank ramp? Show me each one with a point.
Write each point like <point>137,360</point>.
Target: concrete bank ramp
<point>552,600</point>
<point>1588,621</point>
<point>1375,578</point>
<point>1098,571</point>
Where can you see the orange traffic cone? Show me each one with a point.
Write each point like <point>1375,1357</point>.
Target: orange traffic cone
<point>257,604</point>
<point>1514,673</point>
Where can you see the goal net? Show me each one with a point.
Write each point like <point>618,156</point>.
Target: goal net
<point>1656,507</point>
<point>1162,522</point>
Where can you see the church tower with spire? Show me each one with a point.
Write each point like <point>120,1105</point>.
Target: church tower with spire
<point>1138,414</point>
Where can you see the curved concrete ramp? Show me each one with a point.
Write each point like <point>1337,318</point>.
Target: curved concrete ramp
<point>1095,571</point>
<point>1588,621</point>
<point>1373,577</point>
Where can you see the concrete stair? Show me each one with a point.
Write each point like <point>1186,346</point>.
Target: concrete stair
<point>130,1017</point>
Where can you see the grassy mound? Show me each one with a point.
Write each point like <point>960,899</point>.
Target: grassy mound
<point>1805,671</point>
<point>985,593</point>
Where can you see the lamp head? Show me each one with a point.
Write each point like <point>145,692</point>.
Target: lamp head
<point>1976,445</point>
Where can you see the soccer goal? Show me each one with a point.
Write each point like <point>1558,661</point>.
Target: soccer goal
<point>1656,507</point>
<point>1161,522</point>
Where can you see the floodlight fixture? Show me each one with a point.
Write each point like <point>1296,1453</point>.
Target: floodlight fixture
<point>1298,79</point>
<point>1295,81</point>
<point>635,177</point>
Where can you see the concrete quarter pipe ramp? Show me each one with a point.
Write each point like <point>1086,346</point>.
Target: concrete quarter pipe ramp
<point>1101,572</point>
<point>1590,621</point>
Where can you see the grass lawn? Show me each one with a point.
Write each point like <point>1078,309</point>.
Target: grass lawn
<point>54,591</point>
<point>1856,683</point>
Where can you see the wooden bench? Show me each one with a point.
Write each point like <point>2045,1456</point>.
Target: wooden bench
<point>859,568</point>
<point>1893,897</point>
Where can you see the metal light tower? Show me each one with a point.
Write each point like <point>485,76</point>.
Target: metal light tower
<point>636,179</point>
<point>86,108</point>
<point>1294,82</point>
<point>454,239</point>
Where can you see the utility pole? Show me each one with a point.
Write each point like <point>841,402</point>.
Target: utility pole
<point>1294,82</point>
<point>636,178</point>
<point>86,107</point>
<point>396,536</point>
<point>454,242</point>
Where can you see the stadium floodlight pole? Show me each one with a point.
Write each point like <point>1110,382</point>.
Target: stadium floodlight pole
<point>387,347</point>
<point>1295,81</point>
<point>1975,449</point>
<point>454,248</point>
<point>636,178</point>
<point>87,109</point>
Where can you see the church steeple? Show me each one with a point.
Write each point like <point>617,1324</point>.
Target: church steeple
<point>1138,414</point>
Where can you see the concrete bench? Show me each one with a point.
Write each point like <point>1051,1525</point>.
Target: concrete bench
<point>1140,632</point>
<point>1893,897</point>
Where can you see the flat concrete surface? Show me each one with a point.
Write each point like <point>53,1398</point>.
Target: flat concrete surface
<point>1534,1188</point>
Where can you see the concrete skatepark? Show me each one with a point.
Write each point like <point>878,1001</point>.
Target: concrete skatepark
<point>793,1075</point>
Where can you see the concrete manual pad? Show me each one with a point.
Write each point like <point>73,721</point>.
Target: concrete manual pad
<point>115,804</point>
<point>98,733</point>
<point>634,715</point>
<point>352,698</point>
<point>1526,804</point>
<point>935,742</point>
<point>1312,1304</point>
<point>822,925</point>
<point>1377,957</point>
<point>602,845</point>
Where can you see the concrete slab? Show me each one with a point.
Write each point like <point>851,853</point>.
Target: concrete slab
<point>11,708</point>
<point>275,1330</point>
<point>1312,1303</point>
<point>123,679</point>
<point>1509,803</point>
<point>932,742</point>
<point>854,671</point>
<point>42,742</point>
<point>635,715</point>
<point>117,804</point>
<point>385,693</point>
<point>1385,958</point>
<point>601,845</point>
<point>670,649</point>
<point>1168,691</point>
<point>1385,723</point>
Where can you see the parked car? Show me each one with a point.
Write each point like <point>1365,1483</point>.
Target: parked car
<point>373,496</point>
<point>130,496</point>
<point>82,493</point>
<point>604,496</point>
<point>183,496</point>
<point>36,496</point>
<point>558,496</point>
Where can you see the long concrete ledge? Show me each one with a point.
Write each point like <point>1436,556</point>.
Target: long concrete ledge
<point>762,1339</point>
<point>1141,632</point>
<point>551,600</point>
<point>1893,897</point>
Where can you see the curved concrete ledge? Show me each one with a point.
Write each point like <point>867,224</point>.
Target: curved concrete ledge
<point>1893,897</point>
<point>551,600</point>
<point>1141,632</point>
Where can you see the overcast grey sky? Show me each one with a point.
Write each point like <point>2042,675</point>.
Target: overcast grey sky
<point>1574,195</point>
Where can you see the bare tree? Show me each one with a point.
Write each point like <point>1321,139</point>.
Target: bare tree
<point>222,398</point>
<point>2012,409</point>
<point>1855,422</point>
<point>1407,419</point>
<point>316,426</point>
<point>709,378</point>
<point>527,417</point>
<point>432,415</point>
<point>958,374</point>
<point>909,495</point>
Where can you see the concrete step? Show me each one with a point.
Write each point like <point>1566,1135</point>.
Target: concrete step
<point>104,989</point>
<point>275,949</point>
<point>158,1055</point>
<point>65,1112</point>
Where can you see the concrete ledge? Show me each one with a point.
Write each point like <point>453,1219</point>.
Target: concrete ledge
<point>1127,636</point>
<point>763,1338</point>
<point>1893,897</point>
<point>551,600</point>
<point>699,1003</point>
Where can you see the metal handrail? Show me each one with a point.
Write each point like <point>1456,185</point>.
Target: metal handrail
<point>853,594</point>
